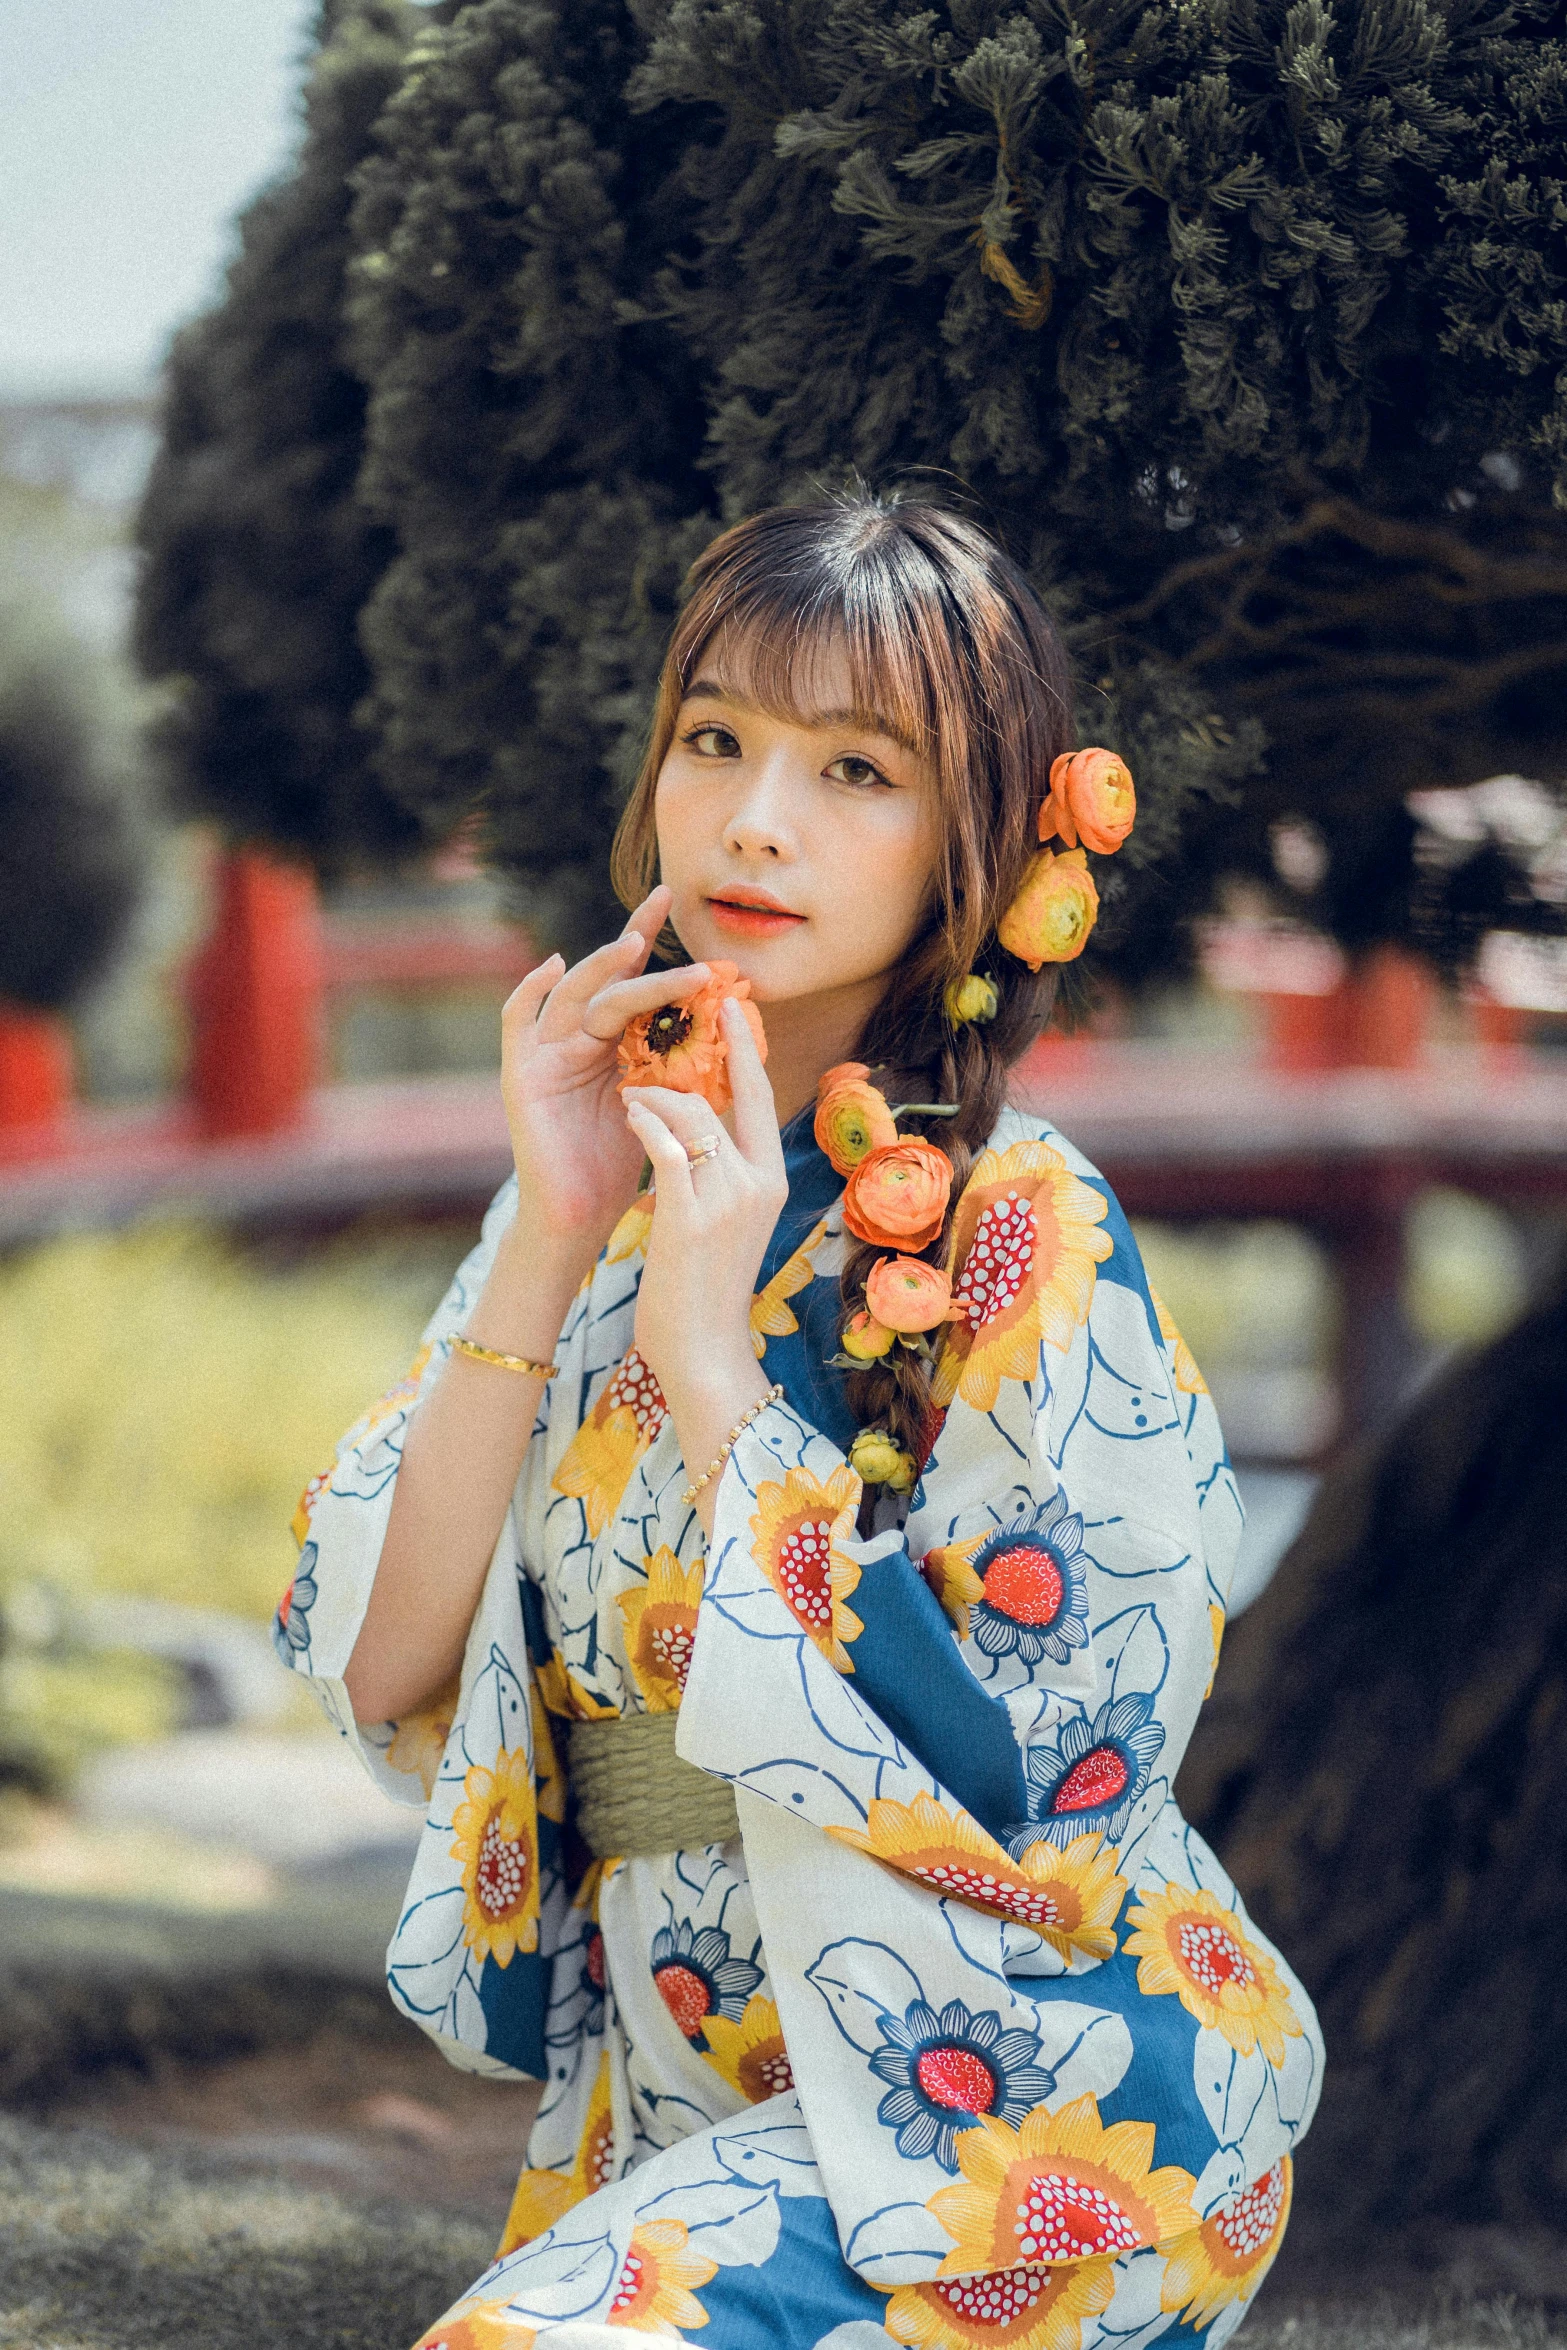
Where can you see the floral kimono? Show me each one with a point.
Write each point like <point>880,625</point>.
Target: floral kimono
<point>966,2040</point>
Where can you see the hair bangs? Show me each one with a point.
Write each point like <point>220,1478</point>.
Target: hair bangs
<point>777,640</point>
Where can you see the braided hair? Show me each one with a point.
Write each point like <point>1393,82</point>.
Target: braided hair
<point>947,642</point>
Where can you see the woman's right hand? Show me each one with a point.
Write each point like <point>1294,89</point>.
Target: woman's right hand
<point>577,1161</point>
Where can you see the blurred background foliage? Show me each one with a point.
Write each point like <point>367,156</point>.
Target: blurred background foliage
<point>1243,324</point>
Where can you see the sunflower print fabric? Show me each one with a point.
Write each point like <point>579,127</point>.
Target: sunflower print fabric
<point>966,2042</point>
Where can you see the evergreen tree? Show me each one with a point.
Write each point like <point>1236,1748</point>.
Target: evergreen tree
<point>71,873</point>
<point>1242,320</point>
<point>257,556</point>
<point>532,443</point>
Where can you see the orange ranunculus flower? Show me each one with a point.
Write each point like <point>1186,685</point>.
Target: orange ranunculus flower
<point>897,1196</point>
<point>1092,799</point>
<point>682,1045</point>
<point>1050,918</point>
<point>904,1293</point>
<point>852,1118</point>
<point>841,1073</point>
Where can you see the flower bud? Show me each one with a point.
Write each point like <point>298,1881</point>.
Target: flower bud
<point>879,1461</point>
<point>866,1339</point>
<point>973,997</point>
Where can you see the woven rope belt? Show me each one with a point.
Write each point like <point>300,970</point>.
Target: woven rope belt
<point>634,1794</point>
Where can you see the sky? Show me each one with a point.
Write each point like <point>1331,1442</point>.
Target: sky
<point>131,131</point>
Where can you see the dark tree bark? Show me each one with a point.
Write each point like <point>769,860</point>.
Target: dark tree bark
<point>1383,1765</point>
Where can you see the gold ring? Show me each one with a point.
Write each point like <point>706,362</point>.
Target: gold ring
<point>704,1147</point>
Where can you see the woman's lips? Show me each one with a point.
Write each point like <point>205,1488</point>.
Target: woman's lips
<point>752,921</point>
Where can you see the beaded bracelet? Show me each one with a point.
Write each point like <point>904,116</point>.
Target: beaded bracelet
<point>487,1354</point>
<point>715,1465</point>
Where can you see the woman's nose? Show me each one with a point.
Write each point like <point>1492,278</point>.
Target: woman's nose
<point>761,820</point>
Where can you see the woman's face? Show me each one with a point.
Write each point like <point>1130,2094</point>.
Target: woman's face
<point>801,851</point>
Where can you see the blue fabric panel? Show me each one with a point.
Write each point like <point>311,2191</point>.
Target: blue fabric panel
<point>514,1998</point>
<point>1124,1263</point>
<point>795,2299</point>
<point>908,1666</point>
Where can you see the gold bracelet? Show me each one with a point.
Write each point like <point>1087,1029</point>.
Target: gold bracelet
<point>715,1465</point>
<point>487,1354</point>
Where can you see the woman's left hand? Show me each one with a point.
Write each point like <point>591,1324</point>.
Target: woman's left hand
<point>711,1225</point>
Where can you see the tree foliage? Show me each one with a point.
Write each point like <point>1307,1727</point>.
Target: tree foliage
<point>1243,320</point>
<point>257,556</point>
<point>71,874</point>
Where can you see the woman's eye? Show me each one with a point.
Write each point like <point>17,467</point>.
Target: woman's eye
<point>851,768</point>
<point>713,742</point>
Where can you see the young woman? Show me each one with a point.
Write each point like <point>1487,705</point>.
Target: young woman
<point>795,1679</point>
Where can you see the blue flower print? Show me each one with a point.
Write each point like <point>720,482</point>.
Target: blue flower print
<point>1036,1587</point>
<point>291,1630</point>
<point>1092,1776</point>
<point>948,2069</point>
<point>696,1977</point>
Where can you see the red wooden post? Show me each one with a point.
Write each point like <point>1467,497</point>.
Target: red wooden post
<point>35,1077</point>
<point>255,998</point>
<point>1388,1014</point>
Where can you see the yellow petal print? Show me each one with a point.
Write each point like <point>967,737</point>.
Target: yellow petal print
<point>656,2276</point>
<point>478,2325</point>
<point>630,1234</point>
<point>1226,2259</point>
<point>1188,1943</point>
<point>1005,2309</point>
<point>1070,1898</point>
<point>543,2195</point>
<point>496,1830</point>
<point>796,1535</point>
<point>770,1316</point>
<point>1060,2187</point>
<point>1188,1379</point>
<point>660,1618</point>
<point>1024,1256</point>
<point>750,2055</point>
<point>419,1740</point>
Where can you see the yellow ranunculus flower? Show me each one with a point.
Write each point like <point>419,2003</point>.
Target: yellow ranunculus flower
<point>879,1461</point>
<point>973,997</point>
<point>866,1339</point>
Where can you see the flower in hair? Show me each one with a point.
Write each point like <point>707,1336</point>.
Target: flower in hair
<point>878,1459</point>
<point>1050,918</point>
<point>865,1340</point>
<point>1092,801</point>
<point>897,1196</point>
<point>682,1045</point>
<point>852,1117</point>
<point>904,1293</point>
<point>973,997</point>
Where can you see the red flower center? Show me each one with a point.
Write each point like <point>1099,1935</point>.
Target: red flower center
<point>999,2298</point>
<point>629,2287</point>
<point>957,2079</point>
<point>501,1879</point>
<point>685,1995</point>
<point>1067,2218</point>
<point>999,1260</point>
<point>1212,1957</point>
<point>805,1571</point>
<point>595,1961</point>
<point>671,1645</point>
<point>635,1384</point>
<point>1099,1777</point>
<point>1247,2227</point>
<point>1025,1583</point>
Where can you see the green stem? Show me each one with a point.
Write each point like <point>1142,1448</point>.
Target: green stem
<point>927,1109</point>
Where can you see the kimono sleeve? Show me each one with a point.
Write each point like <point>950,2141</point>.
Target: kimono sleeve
<point>341,1524</point>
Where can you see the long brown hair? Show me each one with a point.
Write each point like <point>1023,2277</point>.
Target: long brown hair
<point>949,648</point>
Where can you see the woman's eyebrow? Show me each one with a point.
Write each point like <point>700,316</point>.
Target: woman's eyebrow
<point>714,689</point>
